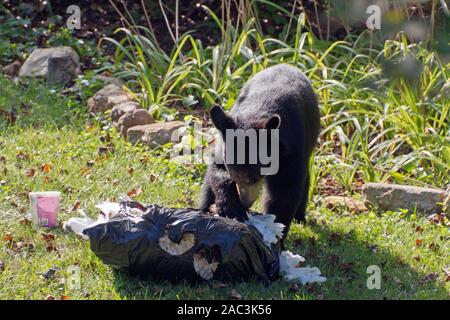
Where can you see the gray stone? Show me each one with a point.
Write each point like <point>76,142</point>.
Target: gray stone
<point>109,80</point>
<point>131,119</point>
<point>61,70</point>
<point>154,135</point>
<point>107,98</point>
<point>120,109</point>
<point>394,197</point>
<point>12,69</point>
<point>66,66</point>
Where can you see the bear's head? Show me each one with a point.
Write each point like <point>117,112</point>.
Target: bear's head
<point>249,149</point>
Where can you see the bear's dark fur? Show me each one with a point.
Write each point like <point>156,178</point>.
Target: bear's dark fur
<point>277,97</point>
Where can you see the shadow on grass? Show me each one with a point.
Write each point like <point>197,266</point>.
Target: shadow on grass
<point>341,257</point>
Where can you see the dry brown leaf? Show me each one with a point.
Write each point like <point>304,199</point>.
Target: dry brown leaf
<point>75,206</point>
<point>419,242</point>
<point>25,222</point>
<point>46,167</point>
<point>134,192</point>
<point>30,173</point>
<point>8,237</point>
<point>48,237</point>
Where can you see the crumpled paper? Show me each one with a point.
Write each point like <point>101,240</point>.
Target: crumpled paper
<point>265,223</point>
<point>290,270</point>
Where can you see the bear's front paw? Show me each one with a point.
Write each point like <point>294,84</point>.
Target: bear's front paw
<point>235,211</point>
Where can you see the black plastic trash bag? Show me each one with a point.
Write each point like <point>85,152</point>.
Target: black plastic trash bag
<point>183,244</point>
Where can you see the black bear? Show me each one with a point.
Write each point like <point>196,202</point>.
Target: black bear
<point>279,97</point>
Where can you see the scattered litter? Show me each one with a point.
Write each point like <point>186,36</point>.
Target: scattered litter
<point>265,223</point>
<point>78,224</point>
<point>187,244</point>
<point>290,269</point>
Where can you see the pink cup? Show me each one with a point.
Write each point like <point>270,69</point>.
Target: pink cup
<point>44,208</point>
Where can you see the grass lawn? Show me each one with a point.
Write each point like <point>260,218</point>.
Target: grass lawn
<point>70,156</point>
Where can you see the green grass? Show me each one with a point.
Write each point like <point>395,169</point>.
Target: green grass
<point>341,244</point>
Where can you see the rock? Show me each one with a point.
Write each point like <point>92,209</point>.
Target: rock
<point>12,69</point>
<point>155,134</point>
<point>446,202</point>
<point>61,70</point>
<point>131,119</point>
<point>107,98</point>
<point>109,80</point>
<point>394,197</point>
<point>120,109</point>
<point>347,203</point>
<point>65,64</point>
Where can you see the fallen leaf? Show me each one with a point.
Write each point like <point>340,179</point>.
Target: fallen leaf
<point>436,218</point>
<point>8,237</point>
<point>50,297</point>
<point>432,246</point>
<point>75,206</point>
<point>90,127</point>
<point>235,295</point>
<point>419,229</point>
<point>134,192</point>
<point>51,247</point>
<point>84,171</point>
<point>144,159</point>
<point>46,167</point>
<point>419,242</point>
<point>24,222</point>
<point>131,171</point>
<point>30,172</point>
<point>48,237</point>
<point>64,297</point>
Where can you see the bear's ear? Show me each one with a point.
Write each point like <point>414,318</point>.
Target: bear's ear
<point>220,120</point>
<point>273,122</point>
